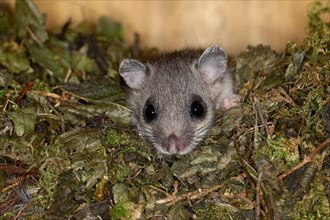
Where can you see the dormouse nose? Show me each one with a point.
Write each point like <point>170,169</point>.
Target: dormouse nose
<point>174,144</point>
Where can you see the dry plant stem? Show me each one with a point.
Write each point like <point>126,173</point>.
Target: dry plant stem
<point>241,160</point>
<point>239,177</point>
<point>190,195</point>
<point>33,36</point>
<point>20,212</point>
<point>169,196</point>
<point>247,200</point>
<point>54,95</point>
<point>241,196</point>
<point>11,186</point>
<point>261,116</point>
<point>5,104</point>
<point>13,169</point>
<point>175,188</point>
<point>47,94</point>
<point>287,97</point>
<point>252,129</point>
<point>257,207</point>
<point>306,160</point>
<point>263,203</point>
<point>277,215</point>
<point>68,74</point>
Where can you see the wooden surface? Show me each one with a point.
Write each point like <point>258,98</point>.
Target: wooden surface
<point>177,24</point>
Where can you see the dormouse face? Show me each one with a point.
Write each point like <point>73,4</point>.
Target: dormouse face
<point>173,113</point>
<point>173,98</point>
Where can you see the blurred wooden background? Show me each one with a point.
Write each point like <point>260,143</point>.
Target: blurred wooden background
<point>177,24</point>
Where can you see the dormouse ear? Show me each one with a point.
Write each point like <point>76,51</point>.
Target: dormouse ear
<point>133,72</point>
<point>212,63</point>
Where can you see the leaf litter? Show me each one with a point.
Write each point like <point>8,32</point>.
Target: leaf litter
<point>68,150</point>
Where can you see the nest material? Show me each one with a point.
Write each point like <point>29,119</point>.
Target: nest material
<point>68,149</point>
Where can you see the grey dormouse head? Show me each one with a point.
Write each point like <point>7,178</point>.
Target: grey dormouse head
<point>174,97</point>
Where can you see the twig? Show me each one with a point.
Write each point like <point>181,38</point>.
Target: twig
<point>252,129</point>
<point>68,74</point>
<point>287,98</point>
<point>191,195</point>
<point>306,160</point>
<point>175,188</point>
<point>261,116</point>
<point>245,170</point>
<point>241,160</point>
<point>276,212</point>
<point>241,196</point>
<point>5,104</point>
<point>33,36</point>
<point>169,196</point>
<point>20,212</point>
<point>47,94</point>
<point>257,207</point>
<point>11,186</point>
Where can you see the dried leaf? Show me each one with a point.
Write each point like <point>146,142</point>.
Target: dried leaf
<point>23,119</point>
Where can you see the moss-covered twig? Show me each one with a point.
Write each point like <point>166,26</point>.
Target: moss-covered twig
<point>306,160</point>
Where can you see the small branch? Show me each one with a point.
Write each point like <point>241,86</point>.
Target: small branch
<point>5,104</point>
<point>252,129</point>
<point>241,160</point>
<point>47,94</point>
<point>288,99</point>
<point>11,186</point>
<point>306,160</point>
<point>175,188</point>
<point>276,213</point>
<point>257,207</point>
<point>261,116</point>
<point>169,197</point>
<point>20,212</point>
<point>242,196</point>
<point>33,36</point>
<point>68,74</point>
<point>191,195</point>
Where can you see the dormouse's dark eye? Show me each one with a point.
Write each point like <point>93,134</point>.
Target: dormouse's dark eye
<point>149,111</point>
<point>197,109</point>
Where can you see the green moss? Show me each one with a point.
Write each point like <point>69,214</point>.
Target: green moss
<point>120,211</point>
<point>222,211</point>
<point>117,138</point>
<point>315,204</point>
<point>7,215</point>
<point>122,172</point>
<point>113,138</point>
<point>284,150</point>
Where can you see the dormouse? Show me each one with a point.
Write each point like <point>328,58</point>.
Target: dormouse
<point>174,97</point>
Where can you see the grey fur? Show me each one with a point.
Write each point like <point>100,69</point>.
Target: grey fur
<point>171,82</point>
